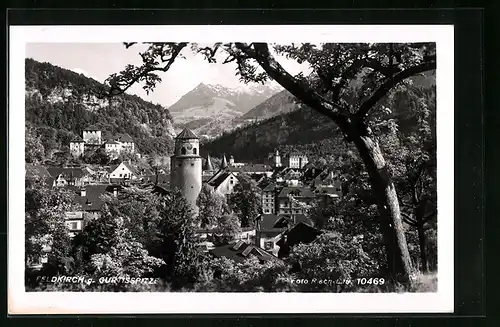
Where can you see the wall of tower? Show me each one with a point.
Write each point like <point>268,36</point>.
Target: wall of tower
<point>191,147</point>
<point>185,174</point>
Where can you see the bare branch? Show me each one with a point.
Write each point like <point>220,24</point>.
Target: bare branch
<point>391,82</point>
<point>132,74</point>
<point>408,219</point>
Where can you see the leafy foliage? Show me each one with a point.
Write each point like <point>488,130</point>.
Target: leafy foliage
<point>245,201</point>
<point>212,206</point>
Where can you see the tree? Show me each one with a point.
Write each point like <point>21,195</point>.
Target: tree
<point>212,206</point>
<point>348,82</point>
<point>45,225</point>
<point>228,227</point>
<point>245,200</point>
<point>34,150</point>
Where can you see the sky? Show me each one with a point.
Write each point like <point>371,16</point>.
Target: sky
<point>99,60</point>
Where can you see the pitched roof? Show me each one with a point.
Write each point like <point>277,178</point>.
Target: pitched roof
<point>187,134</point>
<point>77,139</point>
<point>92,199</point>
<point>267,222</point>
<point>219,179</point>
<point>126,138</point>
<point>112,142</point>
<point>208,164</point>
<point>224,162</point>
<point>250,168</point>
<point>296,192</point>
<point>126,164</point>
<point>269,188</point>
<point>66,172</point>
<point>240,251</point>
<point>91,128</point>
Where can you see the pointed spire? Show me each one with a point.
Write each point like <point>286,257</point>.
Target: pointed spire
<point>208,164</point>
<point>224,162</point>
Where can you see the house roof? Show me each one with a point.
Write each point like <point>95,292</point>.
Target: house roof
<point>303,192</point>
<point>267,222</point>
<point>66,172</point>
<point>187,134</point>
<point>126,164</point>
<point>328,190</point>
<point>162,178</point>
<point>220,179</point>
<point>77,139</point>
<point>269,188</point>
<point>298,218</point>
<point>240,251</point>
<point>250,168</point>
<point>296,154</point>
<point>208,164</point>
<point>34,170</point>
<point>126,138</point>
<point>92,200</point>
<point>91,128</point>
<point>111,141</point>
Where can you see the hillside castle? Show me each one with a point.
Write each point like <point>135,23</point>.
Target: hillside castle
<point>93,139</point>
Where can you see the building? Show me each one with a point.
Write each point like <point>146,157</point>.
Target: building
<point>93,140</point>
<point>268,199</point>
<point>77,146</point>
<point>277,159</point>
<point>208,169</point>
<point>186,166</point>
<point>92,135</point>
<point>68,177</point>
<point>122,172</point>
<point>297,160</point>
<point>292,200</point>
<point>224,182</point>
<point>235,164</point>
<point>89,199</point>
<point>268,231</point>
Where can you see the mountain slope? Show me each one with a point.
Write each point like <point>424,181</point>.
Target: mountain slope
<point>281,102</point>
<point>305,130</point>
<point>209,109</point>
<point>59,103</point>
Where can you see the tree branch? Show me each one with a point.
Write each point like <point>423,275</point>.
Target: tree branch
<point>118,87</point>
<point>307,95</point>
<point>391,82</point>
<point>408,219</point>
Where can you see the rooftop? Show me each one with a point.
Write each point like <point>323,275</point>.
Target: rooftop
<point>187,134</point>
<point>303,192</point>
<point>240,251</point>
<point>91,128</point>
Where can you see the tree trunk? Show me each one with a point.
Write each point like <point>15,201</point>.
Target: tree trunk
<point>398,257</point>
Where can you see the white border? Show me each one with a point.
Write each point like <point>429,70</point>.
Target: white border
<point>21,302</point>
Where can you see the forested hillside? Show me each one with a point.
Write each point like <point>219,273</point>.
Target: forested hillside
<point>60,103</point>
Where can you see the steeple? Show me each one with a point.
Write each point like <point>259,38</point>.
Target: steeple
<point>208,164</point>
<point>224,162</point>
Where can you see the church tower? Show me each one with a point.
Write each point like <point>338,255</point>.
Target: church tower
<point>185,166</point>
<point>277,159</point>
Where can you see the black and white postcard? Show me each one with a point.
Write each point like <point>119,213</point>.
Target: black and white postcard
<point>231,169</point>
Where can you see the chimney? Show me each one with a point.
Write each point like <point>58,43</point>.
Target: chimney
<point>115,192</point>
<point>83,192</point>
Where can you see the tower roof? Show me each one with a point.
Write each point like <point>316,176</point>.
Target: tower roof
<point>187,134</point>
<point>224,162</point>
<point>208,164</point>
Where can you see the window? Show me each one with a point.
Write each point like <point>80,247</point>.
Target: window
<point>74,225</point>
<point>192,165</point>
<point>123,168</point>
<point>180,165</point>
<point>194,150</point>
<point>183,150</point>
<point>268,245</point>
<point>120,175</point>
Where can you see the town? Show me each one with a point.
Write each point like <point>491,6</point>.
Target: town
<point>288,187</point>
